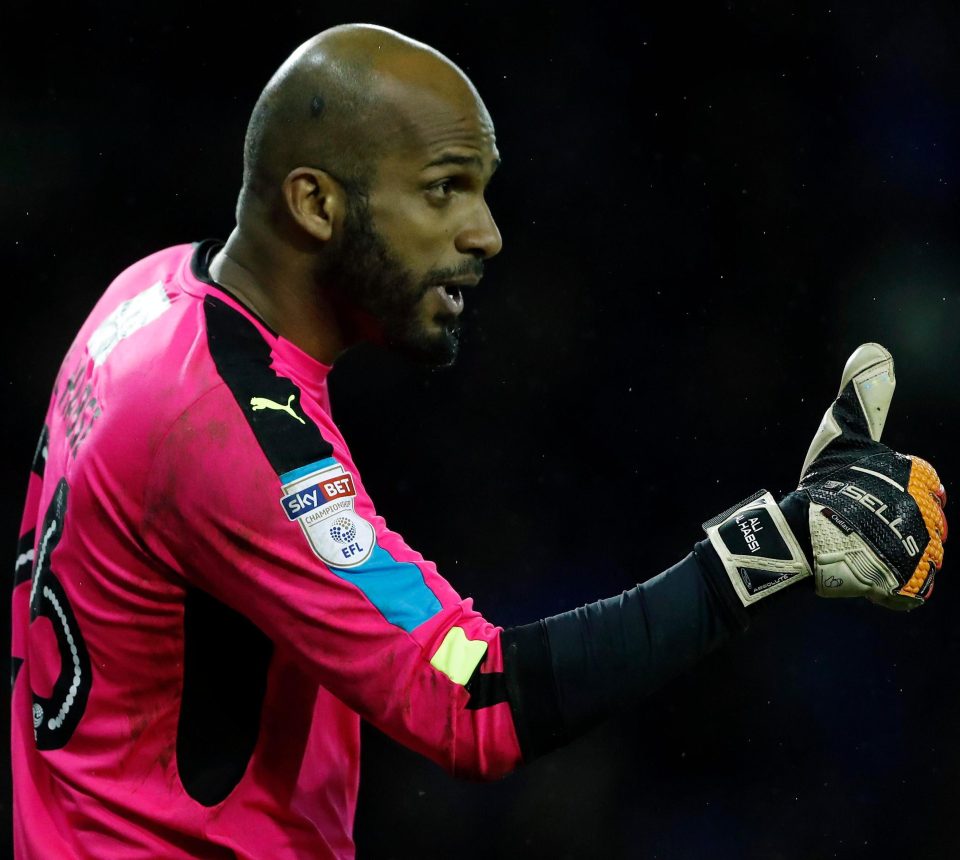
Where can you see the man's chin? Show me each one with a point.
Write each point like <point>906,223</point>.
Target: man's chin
<point>435,351</point>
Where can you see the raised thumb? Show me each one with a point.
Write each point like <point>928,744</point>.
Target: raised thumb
<point>858,414</point>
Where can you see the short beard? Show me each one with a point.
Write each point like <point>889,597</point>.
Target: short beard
<point>365,273</point>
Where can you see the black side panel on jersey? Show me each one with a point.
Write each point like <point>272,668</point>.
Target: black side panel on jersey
<point>226,659</point>
<point>270,403</point>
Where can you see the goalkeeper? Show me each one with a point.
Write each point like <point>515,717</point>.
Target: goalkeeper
<point>206,601</point>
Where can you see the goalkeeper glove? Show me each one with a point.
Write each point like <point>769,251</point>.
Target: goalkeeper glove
<point>876,521</point>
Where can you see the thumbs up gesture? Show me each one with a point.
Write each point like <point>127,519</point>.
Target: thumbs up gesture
<point>876,517</point>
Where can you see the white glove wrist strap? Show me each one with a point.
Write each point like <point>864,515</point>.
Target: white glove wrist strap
<point>757,547</point>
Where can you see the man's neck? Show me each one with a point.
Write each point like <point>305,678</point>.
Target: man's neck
<point>298,315</point>
<point>240,282</point>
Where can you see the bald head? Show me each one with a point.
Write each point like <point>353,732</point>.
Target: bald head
<point>363,212</point>
<point>337,102</point>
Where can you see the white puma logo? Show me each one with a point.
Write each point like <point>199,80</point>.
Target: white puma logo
<point>264,403</point>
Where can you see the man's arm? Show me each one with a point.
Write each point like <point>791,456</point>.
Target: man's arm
<point>389,636</point>
<point>566,673</point>
<point>392,638</point>
<point>865,521</point>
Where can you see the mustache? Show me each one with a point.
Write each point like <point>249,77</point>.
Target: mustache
<point>469,268</point>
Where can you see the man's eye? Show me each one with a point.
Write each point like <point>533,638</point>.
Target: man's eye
<point>442,189</point>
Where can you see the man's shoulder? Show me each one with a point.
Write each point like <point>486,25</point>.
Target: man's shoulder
<point>143,353</point>
<point>165,266</point>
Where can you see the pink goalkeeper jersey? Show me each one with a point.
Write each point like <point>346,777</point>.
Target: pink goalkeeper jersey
<point>206,601</point>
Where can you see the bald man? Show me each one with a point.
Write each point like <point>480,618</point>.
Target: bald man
<point>206,601</point>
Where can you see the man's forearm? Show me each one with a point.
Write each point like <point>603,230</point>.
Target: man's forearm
<point>566,673</point>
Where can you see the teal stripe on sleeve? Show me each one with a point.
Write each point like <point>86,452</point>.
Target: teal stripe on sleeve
<point>396,588</point>
<point>293,474</point>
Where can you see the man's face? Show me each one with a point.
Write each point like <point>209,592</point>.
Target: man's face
<point>412,247</point>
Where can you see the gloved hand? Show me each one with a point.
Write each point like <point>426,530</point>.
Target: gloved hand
<point>876,521</point>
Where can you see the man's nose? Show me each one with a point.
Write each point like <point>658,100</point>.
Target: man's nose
<point>481,237</point>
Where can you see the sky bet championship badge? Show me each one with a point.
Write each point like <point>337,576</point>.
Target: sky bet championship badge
<point>322,502</point>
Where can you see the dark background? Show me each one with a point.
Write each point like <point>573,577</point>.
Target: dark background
<point>705,208</point>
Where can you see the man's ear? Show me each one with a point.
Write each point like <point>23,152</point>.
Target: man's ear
<point>315,200</point>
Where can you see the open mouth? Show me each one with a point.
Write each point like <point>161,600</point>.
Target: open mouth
<point>452,297</point>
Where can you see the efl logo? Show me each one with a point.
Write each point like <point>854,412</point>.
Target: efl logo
<point>325,491</point>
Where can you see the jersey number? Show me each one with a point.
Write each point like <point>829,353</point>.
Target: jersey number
<point>55,717</point>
